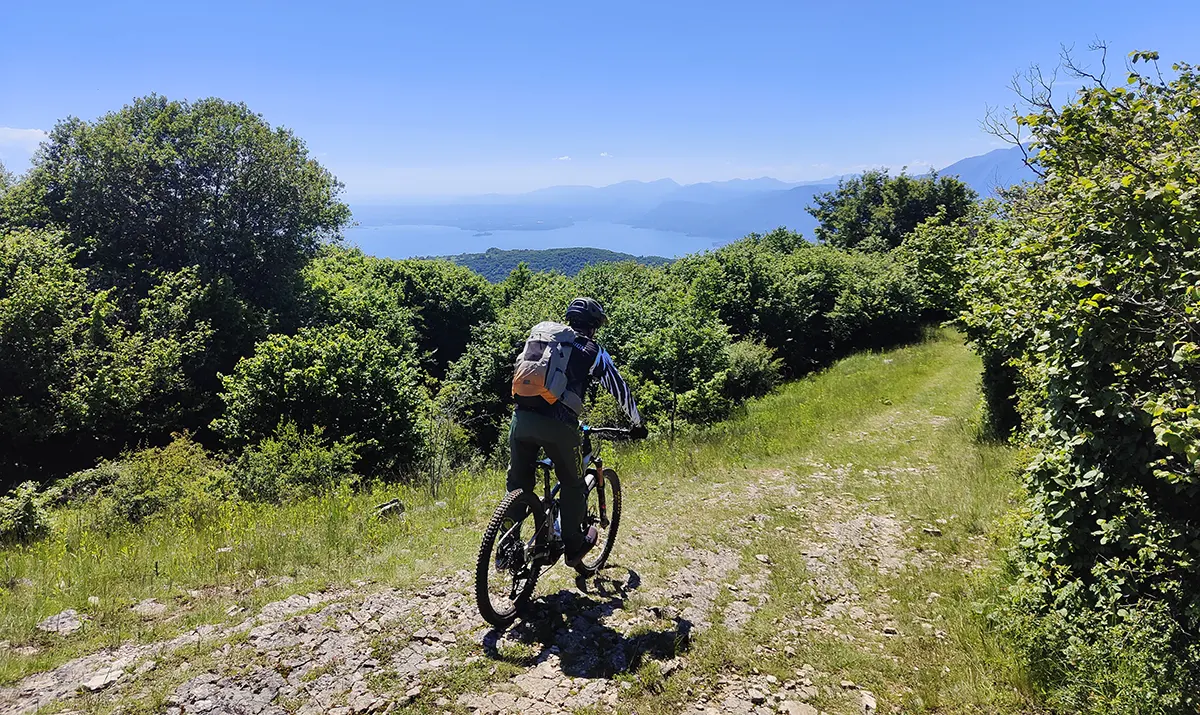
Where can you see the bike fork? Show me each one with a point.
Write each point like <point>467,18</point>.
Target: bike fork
<point>600,493</point>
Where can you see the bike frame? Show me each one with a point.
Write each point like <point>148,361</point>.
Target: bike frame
<point>591,461</point>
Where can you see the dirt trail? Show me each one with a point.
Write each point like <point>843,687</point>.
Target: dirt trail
<point>368,650</point>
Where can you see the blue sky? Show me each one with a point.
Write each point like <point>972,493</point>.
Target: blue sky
<point>425,98</point>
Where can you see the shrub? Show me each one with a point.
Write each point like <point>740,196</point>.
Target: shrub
<point>432,304</point>
<point>659,334</point>
<point>181,480</point>
<point>877,305</point>
<point>934,255</point>
<point>753,370</point>
<point>1088,297</point>
<point>84,484</point>
<point>292,464</point>
<point>22,516</point>
<point>354,385</point>
<point>809,304</point>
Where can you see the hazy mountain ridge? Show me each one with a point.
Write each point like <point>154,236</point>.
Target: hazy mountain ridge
<point>722,210</point>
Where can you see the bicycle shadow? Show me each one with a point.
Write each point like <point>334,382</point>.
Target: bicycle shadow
<point>570,625</point>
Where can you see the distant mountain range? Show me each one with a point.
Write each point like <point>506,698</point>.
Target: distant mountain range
<point>721,210</point>
<point>495,264</point>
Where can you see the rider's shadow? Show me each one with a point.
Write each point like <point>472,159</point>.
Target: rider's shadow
<point>570,623</point>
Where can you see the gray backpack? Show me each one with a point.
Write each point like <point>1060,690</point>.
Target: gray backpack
<point>541,368</point>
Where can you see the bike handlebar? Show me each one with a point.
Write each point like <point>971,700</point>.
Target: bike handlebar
<point>613,433</point>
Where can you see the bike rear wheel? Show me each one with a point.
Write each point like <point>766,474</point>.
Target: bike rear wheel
<point>607,536</point>
<point>505,572</point>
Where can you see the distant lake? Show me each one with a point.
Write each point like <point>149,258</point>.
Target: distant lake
<point>410,241</point>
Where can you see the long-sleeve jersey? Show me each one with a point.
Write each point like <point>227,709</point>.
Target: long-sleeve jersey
<point>588,362</point>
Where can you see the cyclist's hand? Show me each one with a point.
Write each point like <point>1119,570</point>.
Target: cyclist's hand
<point>639,432</point>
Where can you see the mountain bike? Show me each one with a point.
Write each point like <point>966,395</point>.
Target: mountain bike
<point>522,540</point>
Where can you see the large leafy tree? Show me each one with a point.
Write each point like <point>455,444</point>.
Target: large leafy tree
<point>876,211</point>
<point>163,185</point>
<point>162,190</point>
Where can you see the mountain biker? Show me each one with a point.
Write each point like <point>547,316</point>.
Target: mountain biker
<point>538,424</point>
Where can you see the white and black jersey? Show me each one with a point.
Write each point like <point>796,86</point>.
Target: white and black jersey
<point>588,362</point>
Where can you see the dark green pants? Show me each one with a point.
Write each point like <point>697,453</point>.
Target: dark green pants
<point>531,432</point>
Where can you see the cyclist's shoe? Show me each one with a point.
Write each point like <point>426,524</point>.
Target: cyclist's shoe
<point>589,540</point>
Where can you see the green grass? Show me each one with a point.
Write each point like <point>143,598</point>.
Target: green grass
<point>914,407</point>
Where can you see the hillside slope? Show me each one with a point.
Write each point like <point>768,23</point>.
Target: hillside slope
<point>495,264</point>
<point>822,552</point>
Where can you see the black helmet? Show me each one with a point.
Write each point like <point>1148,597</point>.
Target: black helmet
<point>586,313</point>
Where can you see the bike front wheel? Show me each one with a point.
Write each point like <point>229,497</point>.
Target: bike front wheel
<point>506,571</point>
<point>607,535</point>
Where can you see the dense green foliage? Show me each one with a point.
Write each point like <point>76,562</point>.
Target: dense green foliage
<point>179,327</point>
<point>934,254</point>
<point>432,303</point>
<point>79,376</point>
<point>496,264</point>
<point>875,211</point>
<point>1084,301</point>
<point>810,304</point>
<point>161,185</point>
<point>142,255</point>
<point>292,464</point>
<point>352,383</point>
<point>22,516</point>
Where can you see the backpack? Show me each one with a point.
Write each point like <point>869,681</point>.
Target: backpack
<point>541,368</point>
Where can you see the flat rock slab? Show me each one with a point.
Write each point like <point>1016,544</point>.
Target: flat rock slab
<point>101,681</point>
<point>64,624</point>
<point>150,608</point>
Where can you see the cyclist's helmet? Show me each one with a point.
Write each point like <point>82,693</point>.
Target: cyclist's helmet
<point>586,313</point>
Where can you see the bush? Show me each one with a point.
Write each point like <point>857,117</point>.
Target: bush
<point>753,370</point>
<point>180,481</point>
<point>292,464</point>
<point>1086,303</point>
<point>934,255</point>
<point>432,304</point>
<point>662,338</point>
<point>83,485</point>
<point>354,385</point>
<point>22,516</point>
<point>876,306</point>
